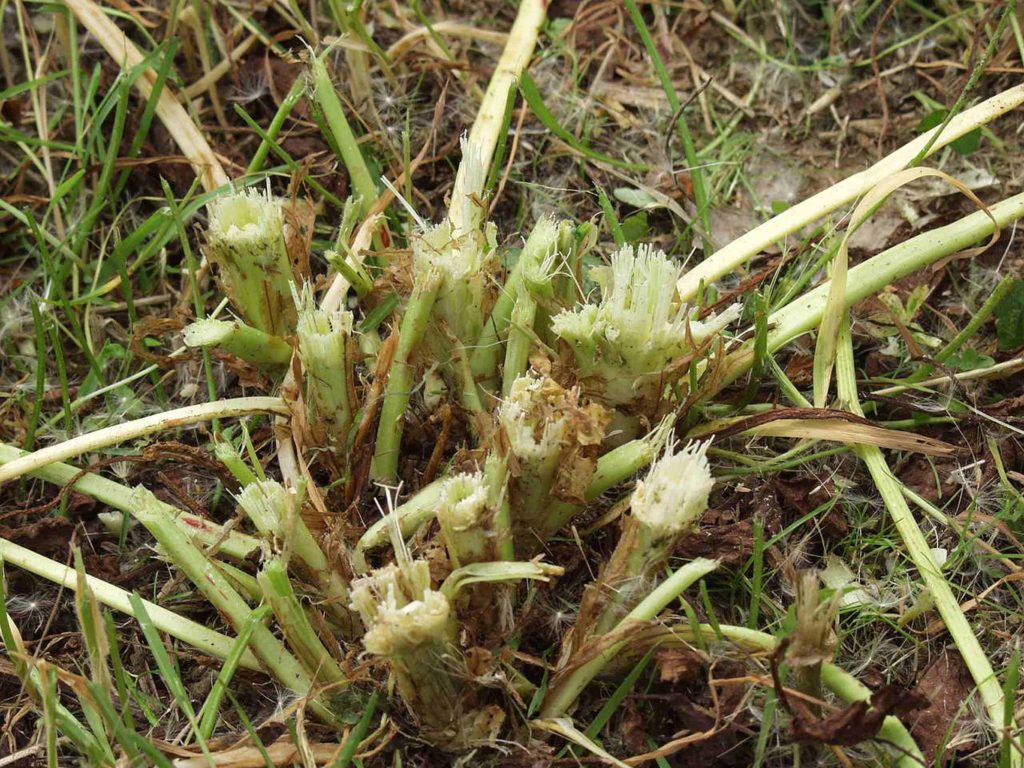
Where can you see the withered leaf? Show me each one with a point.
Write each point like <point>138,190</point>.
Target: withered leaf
<point>679,665</point>
<point>861,720</point>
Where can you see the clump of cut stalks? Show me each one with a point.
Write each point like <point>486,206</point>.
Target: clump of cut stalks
<point>564,400</point>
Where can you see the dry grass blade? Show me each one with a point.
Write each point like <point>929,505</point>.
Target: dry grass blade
<point>841,431</point>
<point>280,753</point>
<point>177,121</point>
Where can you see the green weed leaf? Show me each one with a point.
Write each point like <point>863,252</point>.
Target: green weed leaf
<point>1010,318</point>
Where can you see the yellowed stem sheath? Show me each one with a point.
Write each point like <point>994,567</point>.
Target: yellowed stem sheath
<point>522,39</point>
<point>205,639</point>
<point>158,422</point>
<point>813,208</point>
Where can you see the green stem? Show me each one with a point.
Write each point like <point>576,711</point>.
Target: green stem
<point>233,544</point>
<point>198,636</point>
<point>420,508</point>
<point>867,278</point>
<point>977,320</point>
<point>259,158</point>
<point>238,339</point>
<point>219,592</point>
<point>520,338</point>
<point>227,455</point>
<point>612,468</point>
<point>825,202</point>
<point>344,138</point>
<point>277,589</point>
<point>469,391</point>
<point>563,692</point>
<point>129,430</point>
<point>276,513</point>
<point>487,351</point>
<point>400,381</point>
<point>841,683</point>
<point>918,549</point>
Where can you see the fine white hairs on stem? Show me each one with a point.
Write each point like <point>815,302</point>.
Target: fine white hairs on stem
<point>675,492</point>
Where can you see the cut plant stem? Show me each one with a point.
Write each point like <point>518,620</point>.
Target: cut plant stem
<point>551,436</point>
<point>467,519</point>
<point>302,638</point>
<point>564,691</point>
<point>623,345</point>
<point>238,339</point>
<point>230,543</point>
<point>613,468</point>
<point>616,466</point>
<point>666,505</point>
<point>323,347</point>
<point>129,430</point>
<point>412,627</point>
<point>919,551</point>
<point>409,516</point>
<point>246,240</point>
<point>276,512</point>
<point>736,253</point>
<point>198,636</point>
<point>227,455</point>
<point>461,257</point>
<point>813,639</point>
<point>400,380</point>
<point>547,244</point>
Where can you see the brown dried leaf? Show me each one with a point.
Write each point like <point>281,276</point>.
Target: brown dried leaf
<point>679,665</point>
<point>861,720</point>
